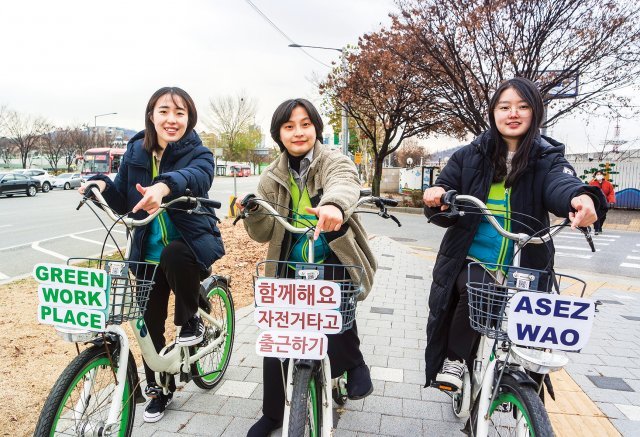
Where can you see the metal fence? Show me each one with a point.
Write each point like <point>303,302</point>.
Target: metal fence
<point>626,181</point>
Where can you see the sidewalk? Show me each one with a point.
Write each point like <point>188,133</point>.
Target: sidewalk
<point>599,394</point>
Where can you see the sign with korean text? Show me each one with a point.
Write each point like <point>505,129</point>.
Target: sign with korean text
<point>298,293</point>
<point>292,344</point>
<point>550,320</point>
<point>74,297</point>
<point>300,319</point>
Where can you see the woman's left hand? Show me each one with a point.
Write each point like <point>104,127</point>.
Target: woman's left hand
<point>585,211</point>
<point>329,219</point>
<point>151,197</point>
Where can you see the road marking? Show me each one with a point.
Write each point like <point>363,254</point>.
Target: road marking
<point>637,258</point>
<point>91,241</point>
<point>3,276</point>
<point>5,226</point>
<point>633,266</point>
<point>48,239</point>
<point>575,248</point>
<point>573,255</point>
<point>577,237</point>
<point>36,246</point>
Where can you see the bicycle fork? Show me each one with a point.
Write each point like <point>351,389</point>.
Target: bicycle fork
<point>121,376</point>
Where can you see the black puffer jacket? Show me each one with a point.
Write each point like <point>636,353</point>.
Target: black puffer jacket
<point>548,185</point>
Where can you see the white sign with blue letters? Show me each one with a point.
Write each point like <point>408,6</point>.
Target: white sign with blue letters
<point>550,320</point>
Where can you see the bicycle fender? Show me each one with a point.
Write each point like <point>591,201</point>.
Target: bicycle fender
<point>306,363</point>
<point>521,377</point>
<point>215,279</point>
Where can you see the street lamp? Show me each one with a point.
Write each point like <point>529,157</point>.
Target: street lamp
<point>95,118</point>
<point>345,123</point>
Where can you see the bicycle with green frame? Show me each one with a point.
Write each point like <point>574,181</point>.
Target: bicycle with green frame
<point>97,392</point>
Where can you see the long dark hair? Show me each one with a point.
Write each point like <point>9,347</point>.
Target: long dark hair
<point>282,114</point>
<point>529,92</point>
<point>150,135</point>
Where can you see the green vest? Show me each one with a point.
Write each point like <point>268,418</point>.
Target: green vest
<point>161,231</point>
<point>302,219</point>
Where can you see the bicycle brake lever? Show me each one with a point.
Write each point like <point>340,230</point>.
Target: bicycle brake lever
<point>394,218</point>
<point>238,218</point>
<point>587,234</point>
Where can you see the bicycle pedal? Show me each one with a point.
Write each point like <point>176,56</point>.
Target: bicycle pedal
<point>444,387</point>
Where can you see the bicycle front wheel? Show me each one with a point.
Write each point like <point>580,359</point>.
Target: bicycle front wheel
<point>305,417</point>
<point>518,411</point>
<point>217,302</point>
<point>80,399</point>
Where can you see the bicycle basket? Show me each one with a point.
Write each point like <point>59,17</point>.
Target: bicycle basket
<point>489,298</point>
<point>349,278</point>
<point>129,287</point>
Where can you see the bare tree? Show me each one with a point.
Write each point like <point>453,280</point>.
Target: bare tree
<point>230,118</point>
<point>24,132</point>
<point>465,48</point>
<point>54,146</point>
<point>378,89</point>
<point>6,150</point>
<point>79,139</point>
<point>411,149</point>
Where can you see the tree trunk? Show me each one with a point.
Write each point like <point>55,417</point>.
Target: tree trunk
<point>377,175</point>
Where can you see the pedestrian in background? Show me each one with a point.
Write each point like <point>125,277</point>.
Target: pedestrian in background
<point>607,189</point>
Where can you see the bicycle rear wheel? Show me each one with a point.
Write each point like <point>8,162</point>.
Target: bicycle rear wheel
<point>518,410</point>
<point>217,302</point>
<point>305,417</point>
<point>81,397</point>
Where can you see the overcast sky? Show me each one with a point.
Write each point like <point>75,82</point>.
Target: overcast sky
<point>71,60</point>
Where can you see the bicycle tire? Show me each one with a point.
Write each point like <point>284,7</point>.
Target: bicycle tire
<point>305,416</point>
<point>59,412</point>
<point>215,300</point>
<point>514,398</point>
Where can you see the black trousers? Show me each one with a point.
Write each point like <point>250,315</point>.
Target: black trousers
<point>344,353</point>
<point>463,339</point>
<point>602,216</point>
<point>178,271</point>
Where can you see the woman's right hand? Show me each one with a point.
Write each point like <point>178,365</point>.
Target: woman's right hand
<point>432,197</point>
<point>102,185</point>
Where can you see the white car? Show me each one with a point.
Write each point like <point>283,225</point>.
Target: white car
<point>46,180</point>
<point>67,181</point>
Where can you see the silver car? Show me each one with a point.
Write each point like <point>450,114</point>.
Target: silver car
<point>67,181</point>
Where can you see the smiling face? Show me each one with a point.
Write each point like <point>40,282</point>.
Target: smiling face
<point>170,118</point>
<point>513,116</point>
<point>298,134</point>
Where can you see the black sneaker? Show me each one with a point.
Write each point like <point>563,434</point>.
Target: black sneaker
<point>191,333</point>
<point>154,410</point>
<point>450,377</point>
<point>359,383</point>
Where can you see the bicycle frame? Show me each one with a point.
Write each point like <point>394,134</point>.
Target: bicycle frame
<point>174,361</point>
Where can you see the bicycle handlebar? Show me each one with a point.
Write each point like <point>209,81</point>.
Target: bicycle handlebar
<point>451,197</point>
<point>91,190</point>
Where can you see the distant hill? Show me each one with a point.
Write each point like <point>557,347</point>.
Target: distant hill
<point>441,154</point>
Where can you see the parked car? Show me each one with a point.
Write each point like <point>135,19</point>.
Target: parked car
<point>16,183</point>
<point>46,180</point>
<point>67,181</point>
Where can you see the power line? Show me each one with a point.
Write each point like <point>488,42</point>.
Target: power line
<point>262,14</point>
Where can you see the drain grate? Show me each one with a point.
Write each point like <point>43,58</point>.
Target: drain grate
<point>382,310</point>
<point>414,277</point>
<point>403,239</point>
<point>610,383</point>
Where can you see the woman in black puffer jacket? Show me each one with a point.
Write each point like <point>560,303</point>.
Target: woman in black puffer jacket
<point>516,170</point>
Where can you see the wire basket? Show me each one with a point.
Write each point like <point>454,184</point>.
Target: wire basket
<point>349,278</point>
<point>489,298</point>
<point>130,285</point>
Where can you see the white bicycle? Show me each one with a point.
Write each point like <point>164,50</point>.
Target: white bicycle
<point>499,394</point>
<point>96,393</point>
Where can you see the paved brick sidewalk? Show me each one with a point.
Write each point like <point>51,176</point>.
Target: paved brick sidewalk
<point>391,324</point>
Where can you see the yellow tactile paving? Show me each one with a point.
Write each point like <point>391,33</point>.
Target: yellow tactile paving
<point>573,413</point>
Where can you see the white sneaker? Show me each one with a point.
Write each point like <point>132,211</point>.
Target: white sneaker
<point>450,377</point>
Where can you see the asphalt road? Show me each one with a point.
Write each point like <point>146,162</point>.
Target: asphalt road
<point>47,228</point>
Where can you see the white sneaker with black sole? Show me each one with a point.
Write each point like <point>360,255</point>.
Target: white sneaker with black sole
<point>191,333</point>
<point>154,411</point>
<point>450,377</point>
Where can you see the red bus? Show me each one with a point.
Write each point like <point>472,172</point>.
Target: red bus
<point>102,160</point>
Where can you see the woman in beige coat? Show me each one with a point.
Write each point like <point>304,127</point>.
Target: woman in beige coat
<point>329,182</point>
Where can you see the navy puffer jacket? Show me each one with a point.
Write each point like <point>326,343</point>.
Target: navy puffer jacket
<point>548,185</point>
<point>186,164</point>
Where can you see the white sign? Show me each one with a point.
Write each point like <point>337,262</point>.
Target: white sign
<point>298,293</point>
<point>550,320</point>
<point>74,297</point>
<point>292,344</point>
<point>299,319</point>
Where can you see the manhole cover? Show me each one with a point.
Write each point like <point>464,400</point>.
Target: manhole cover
<point>402,239</point>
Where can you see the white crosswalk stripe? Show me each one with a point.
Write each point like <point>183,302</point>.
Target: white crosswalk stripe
<point>575,248</point>
<point>633,257</point>
<point>630,265</point>
<point>573,255</point>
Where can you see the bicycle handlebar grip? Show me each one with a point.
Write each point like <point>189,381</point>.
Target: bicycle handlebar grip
<point>365,192</point>
<point>449,197</point>
<point>389,202</point>
<point>209,202</point>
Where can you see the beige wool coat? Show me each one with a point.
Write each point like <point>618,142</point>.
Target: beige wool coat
<point>335,175</point>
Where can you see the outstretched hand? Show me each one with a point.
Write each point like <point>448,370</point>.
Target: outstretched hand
<point>151,197</point>
<point>329,219</point>
<point>585,211</point>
